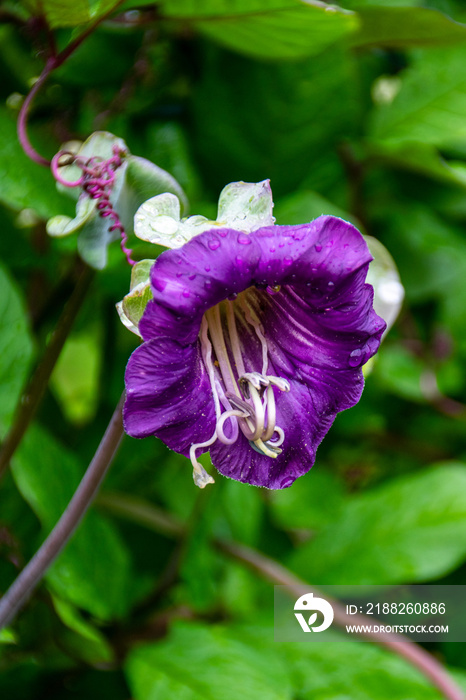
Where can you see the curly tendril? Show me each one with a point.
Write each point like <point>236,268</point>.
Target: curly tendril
<point>97,180</point>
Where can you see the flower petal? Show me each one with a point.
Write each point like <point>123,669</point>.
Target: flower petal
<point>320,329</point>
<point>168,394</point>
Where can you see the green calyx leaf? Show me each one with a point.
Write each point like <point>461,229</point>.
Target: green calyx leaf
<point>132,306</point>
<point>136,180</point>
<point>246,206</point>
<point>243,206</point>
<point>383,276</point>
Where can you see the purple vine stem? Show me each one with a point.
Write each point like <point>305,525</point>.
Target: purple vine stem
<point>30,576</point>
<point>97,180</point>
<point>23,137</point>
<point>54,62</point>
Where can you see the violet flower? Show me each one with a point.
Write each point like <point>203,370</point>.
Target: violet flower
<point>253,343</point>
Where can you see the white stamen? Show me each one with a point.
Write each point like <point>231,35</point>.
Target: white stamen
<point>253,321</point>
<point>215,328</point>
<point>271,414</point>
<point>224,417</point>
<point>234,340</point>
<point>200,476</point>
<point>281,437</point>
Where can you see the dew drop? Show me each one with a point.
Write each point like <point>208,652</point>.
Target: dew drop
<point>208,284</point>
<point>272,250</point>
<point>192,277</point>
<point>281,244</point>
<point>318,247</point>
<point>356,358</point>
<point>186,293</point>
<point>214,244</point>
<point>244,239</point>
<point>329,284</point>
<point>207,268</point>
<point>222,232</point>
<point>287,260</point>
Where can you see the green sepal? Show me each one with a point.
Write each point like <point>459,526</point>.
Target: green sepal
<point>136,180</point>
<point>132,306</point>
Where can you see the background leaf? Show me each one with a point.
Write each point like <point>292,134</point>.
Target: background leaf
<point>270,30</point>
<point>15,347</point>
<point>199,662</point>
<point>389,536</point>
<point>431,103</point>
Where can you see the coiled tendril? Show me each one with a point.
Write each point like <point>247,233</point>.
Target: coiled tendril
<point>97,180</point>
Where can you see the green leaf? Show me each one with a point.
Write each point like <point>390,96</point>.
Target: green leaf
<point>439,251</point>
<point>70,13</point>
<point>306,205</point>
<point>87,642</point>
<point>401,373</point>
<point>243,508</point>
<point>274,29</point>
<point>93,571</point>
<point>75,379</point>
<point>15,347</point>
<point>206,663</point>
<point>431,103</point>
<point>406,26</point>
<point>410,529</point>
<point>136,301</point>
<point>61,13</point>
<point>145,179</point>
<point>310,503</point>
<point>25,184</point>
<point>350,669</point>
<point>282,122</point>
<point>7,636</point>
<point>421,158</point>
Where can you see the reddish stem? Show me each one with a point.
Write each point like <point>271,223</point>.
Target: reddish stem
<point>23,137</point>
<point>52,64</point>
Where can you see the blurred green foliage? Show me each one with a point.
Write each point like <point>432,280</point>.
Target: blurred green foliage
<point>358,111</point>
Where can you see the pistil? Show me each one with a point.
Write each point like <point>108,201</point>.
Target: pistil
<point>247,397</point>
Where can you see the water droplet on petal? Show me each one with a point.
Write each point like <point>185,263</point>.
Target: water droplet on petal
<point>356,358</point>
<point>214,244</point>
<point>244,239</point>
<point>330,284</point>
<point>186,293</point>
<point>207,268</point>
<point>318,247</point>
<point>287,260</point>
<point>193,277</point>
<point>208,284</point>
